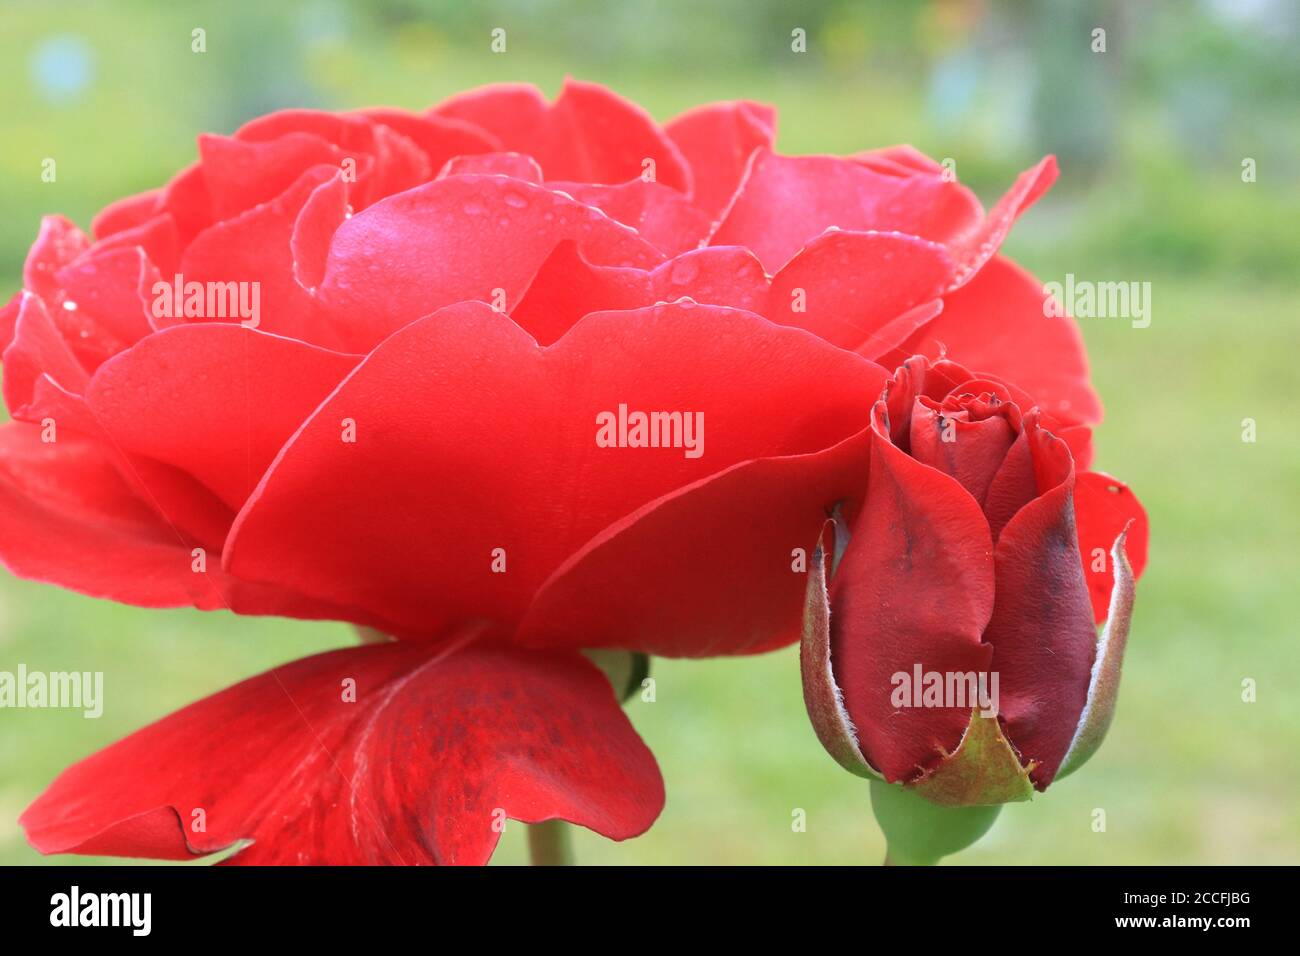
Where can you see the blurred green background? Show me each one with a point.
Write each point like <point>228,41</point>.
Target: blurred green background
<point>1151,135</point>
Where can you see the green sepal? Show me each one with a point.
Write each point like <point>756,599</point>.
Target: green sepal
<point>1103,686</point>
<point>984,770</point>
<point>821,695</point>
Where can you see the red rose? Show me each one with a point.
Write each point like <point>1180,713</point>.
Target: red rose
<point>353,367</point>
<point>956,649</point>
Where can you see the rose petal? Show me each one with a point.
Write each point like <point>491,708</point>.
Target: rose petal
<point>1013,486</point>
<point>1042,627</point>
<point>997,324</point>
<point>303,762</point>
<point>900,160</point>
<point>387,161</point>
<point>58,243</point>
<point>963,446</point>
<point>216,400</point>
<point>9,319</point>
<point>434,422</point>
<point>883,341</point>
<point>693,574</point>
<point>914,589</point>
<point>662,216</point>
<point>514,165</point>
<point>589,134</point>
<point>126,213</point>
<point>327,208</point>
<point>68,518</point>
<point>241,174</point>
<point>786,201</point>
<point>105,287</point>
<point>716,141</point>
<point>849,285</point>
<point>36,349</point>
<point>440,138</point>
<point>456,239</point>
<point>187,200</point>
<point>1104,506</point>
<point>257,247</point>
<point>157,237</point>
<point>567,287</point>
<point>177,500</point>
<point>515,113</point>
<point>973,251</point>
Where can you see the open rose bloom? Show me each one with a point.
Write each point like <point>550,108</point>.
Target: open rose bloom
<point>354,367</point>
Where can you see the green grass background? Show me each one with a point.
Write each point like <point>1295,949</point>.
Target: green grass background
<point>1190,772</point>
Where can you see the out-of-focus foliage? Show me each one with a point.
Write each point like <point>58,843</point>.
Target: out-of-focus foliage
<point>1151,133</point>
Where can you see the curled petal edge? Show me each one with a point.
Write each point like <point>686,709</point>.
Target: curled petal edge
<point>821,695</point>
<point>1103,686</point>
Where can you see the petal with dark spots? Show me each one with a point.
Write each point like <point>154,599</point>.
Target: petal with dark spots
<point>380,754</point>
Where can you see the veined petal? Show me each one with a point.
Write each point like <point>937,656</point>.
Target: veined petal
<point>376,754</point>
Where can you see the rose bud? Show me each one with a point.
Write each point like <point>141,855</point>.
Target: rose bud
<point>954,650</point>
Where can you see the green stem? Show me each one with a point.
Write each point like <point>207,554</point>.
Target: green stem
<point>550,844</point>
<point>921,833</point>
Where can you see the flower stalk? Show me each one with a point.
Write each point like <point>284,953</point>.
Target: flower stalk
<point>921,833</point>
<point>550,844</point>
